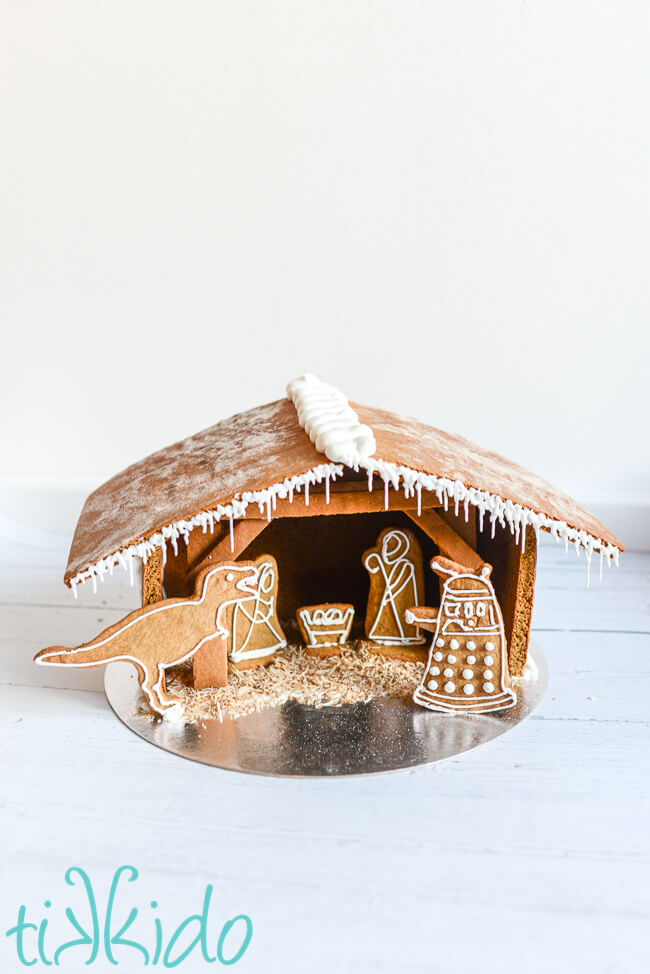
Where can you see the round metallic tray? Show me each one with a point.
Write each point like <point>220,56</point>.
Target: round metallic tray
<point>301,741</point>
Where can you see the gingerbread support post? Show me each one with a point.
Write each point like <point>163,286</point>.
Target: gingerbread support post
<point>152,578</point>
<point>523,593</point>
<point>448,540</point>
<point>227,548</point>
<point>210,663</point>
<point>515,577</point>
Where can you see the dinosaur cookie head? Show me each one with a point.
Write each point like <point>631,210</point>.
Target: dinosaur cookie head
<point>229,582</point>
<point>224,584</point>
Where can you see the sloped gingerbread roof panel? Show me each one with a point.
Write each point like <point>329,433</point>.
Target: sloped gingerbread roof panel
<point>264,452</point>
<point>407,442</point>
<point>246,452</point>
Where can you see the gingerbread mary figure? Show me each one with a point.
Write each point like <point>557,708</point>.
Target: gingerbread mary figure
<point>467,667</point>
<point>396,579</point>
<point>256,633</point>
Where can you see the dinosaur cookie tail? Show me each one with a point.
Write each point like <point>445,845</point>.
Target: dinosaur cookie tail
<point>59,655</point>
<point>51,655</point>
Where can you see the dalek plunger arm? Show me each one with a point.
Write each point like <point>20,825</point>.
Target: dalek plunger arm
<point>421,615</point>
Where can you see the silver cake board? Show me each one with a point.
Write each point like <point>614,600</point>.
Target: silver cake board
<point>300,741</point>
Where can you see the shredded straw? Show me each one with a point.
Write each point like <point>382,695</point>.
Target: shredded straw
<point>356,676</point>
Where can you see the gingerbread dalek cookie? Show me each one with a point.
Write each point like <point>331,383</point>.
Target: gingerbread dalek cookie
<point>467,667</point>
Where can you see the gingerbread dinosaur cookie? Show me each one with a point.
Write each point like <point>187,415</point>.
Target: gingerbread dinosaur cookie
<point>166,633</point>
<point>467,667</point>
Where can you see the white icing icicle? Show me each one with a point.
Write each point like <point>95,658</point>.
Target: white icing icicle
<point>334,428</point>
<point>516,517</point>
<point>235,509</point>
<point>500,511</point>
<point>330,422</point>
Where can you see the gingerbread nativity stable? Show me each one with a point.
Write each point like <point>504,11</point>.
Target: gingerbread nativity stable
<point>317,490</point>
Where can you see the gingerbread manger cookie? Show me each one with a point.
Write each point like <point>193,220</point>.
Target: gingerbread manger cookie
<point>325,628</point>
<point>333,504</point>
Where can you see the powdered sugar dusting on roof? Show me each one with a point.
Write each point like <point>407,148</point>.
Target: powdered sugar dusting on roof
<point>256,458</point>
<point>330,422</point>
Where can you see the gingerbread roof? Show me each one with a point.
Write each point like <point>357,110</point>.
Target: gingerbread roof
<point>254,457</point>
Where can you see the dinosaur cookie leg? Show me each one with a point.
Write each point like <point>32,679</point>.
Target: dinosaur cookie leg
<point>165,699</point>
<point>153,687</point>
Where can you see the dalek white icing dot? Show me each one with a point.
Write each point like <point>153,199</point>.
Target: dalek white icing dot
<point>468,637</point>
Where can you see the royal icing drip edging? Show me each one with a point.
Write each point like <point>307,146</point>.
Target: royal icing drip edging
<point>264,498</point>
<point>503,512</point>
<point>412,482</point>
<point>333,426</point>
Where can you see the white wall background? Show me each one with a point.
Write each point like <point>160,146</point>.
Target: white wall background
<point>443,207</point>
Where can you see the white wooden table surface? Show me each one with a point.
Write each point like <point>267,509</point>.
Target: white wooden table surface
<point>530,854</point>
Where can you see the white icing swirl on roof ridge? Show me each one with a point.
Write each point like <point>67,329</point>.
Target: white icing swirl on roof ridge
<point>330,422</point>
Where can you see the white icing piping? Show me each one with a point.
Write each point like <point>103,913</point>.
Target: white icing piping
<point>330,422</point>
<point>265,499</point>
<point>504,512</point>
<point>412,482</point>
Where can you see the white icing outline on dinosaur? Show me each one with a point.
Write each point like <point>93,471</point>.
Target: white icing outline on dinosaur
<point>154,695</point>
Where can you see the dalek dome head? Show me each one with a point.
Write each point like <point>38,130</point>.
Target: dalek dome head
<point>468,600</point>
<point>458,577</point>
<point>464,584</point>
